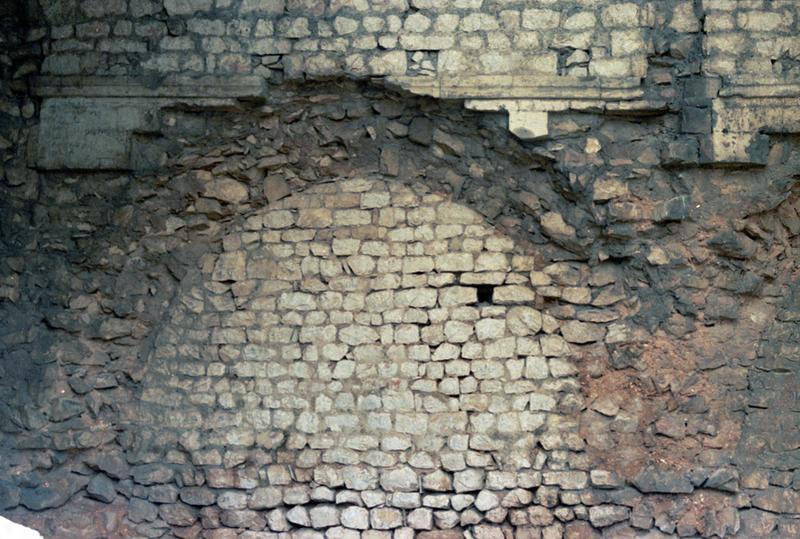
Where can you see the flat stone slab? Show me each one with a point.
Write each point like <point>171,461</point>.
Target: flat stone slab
<point>96,133</point>
<point>91,133</point>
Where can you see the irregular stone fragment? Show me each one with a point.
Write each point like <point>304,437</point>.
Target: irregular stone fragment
<point>446,519</point>
<point>198,496</point>
<point>582,332</point>
<point>276,188</point>
<point>554,226</point>
<point>725,479</point>
<point>315,218</point>
<point>402,479</point>
<point>468,480</point>
<point>298,515</point>
<point>513,294</point>
<point>579,295</point>
<point>390,161</point>
<point>276,520</point>
<point>757,523</point>
<point>54,492</point>
<point>278,474</point>
<point>778,500</point>
<point>242,519</point>
<point>186,7</point>
<point>230,267</point>
<point>421,131</point>
<point>490,328</point>
<point>357,335</point>
<point>151,474</point>
<point>457,262</point>
<point>226,190</point>
<point>101,488</point>
<point>420,519</point>
<point>605,479</point>
<point>608,188</point>
<point>569,480</point>
<point>541,402</point>
<point>536,368</point>
<point>437,481</point>
<point>662,481</point>
<point>296,495</point>
<point>389,63</point>
<point>360,478</point>
<point>457,295</point>
<point>9,495</point>
<point>539,515</point>
<point>141,510</point>
<point>485,531</point>
<point>177,514</point>
<point>385,518</point>
<point>602,516</point>
<point>517,497</point>
<point>448,142</point>
<point>456,214</point>
<point>523,321</point>
<point>486,500</point>
<point>733,244</point>
<point>62,409</point>
<point>554,346</point>
<point>356,518</point>
<point>674,209</point>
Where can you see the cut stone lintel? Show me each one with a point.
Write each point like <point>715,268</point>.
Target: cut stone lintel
<point>88,123</point>
<point>91,133</point>
<point>741,128</point>
<point>525,119</point>
<point>519,87</point>
<point>95,133</point>
<point>239,87</point>
<point>759,86</point>
<point>737,149</point>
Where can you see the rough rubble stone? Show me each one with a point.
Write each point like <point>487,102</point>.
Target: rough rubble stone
<point>101,488</point>
<point>52,493</point>
<point>662,481</point>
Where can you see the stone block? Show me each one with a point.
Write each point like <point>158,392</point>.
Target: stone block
<point>602,516</point>
<point>540,19</point>
<point>91,133</point>
<point>186,7</point>
<point>385,518</point>
<point>528,125</point>
<point>356,518</point>
<point>696,120</point>
<point>470,480</point>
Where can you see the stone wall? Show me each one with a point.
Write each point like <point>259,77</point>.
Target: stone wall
<point>385,344</point>
<point>748,40</point>
<point>391,37</point>
<point>513,289</point>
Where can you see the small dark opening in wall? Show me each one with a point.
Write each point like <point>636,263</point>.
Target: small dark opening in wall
<point>485,293</point>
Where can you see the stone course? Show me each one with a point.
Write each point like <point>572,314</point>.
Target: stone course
<point>361,38</point>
